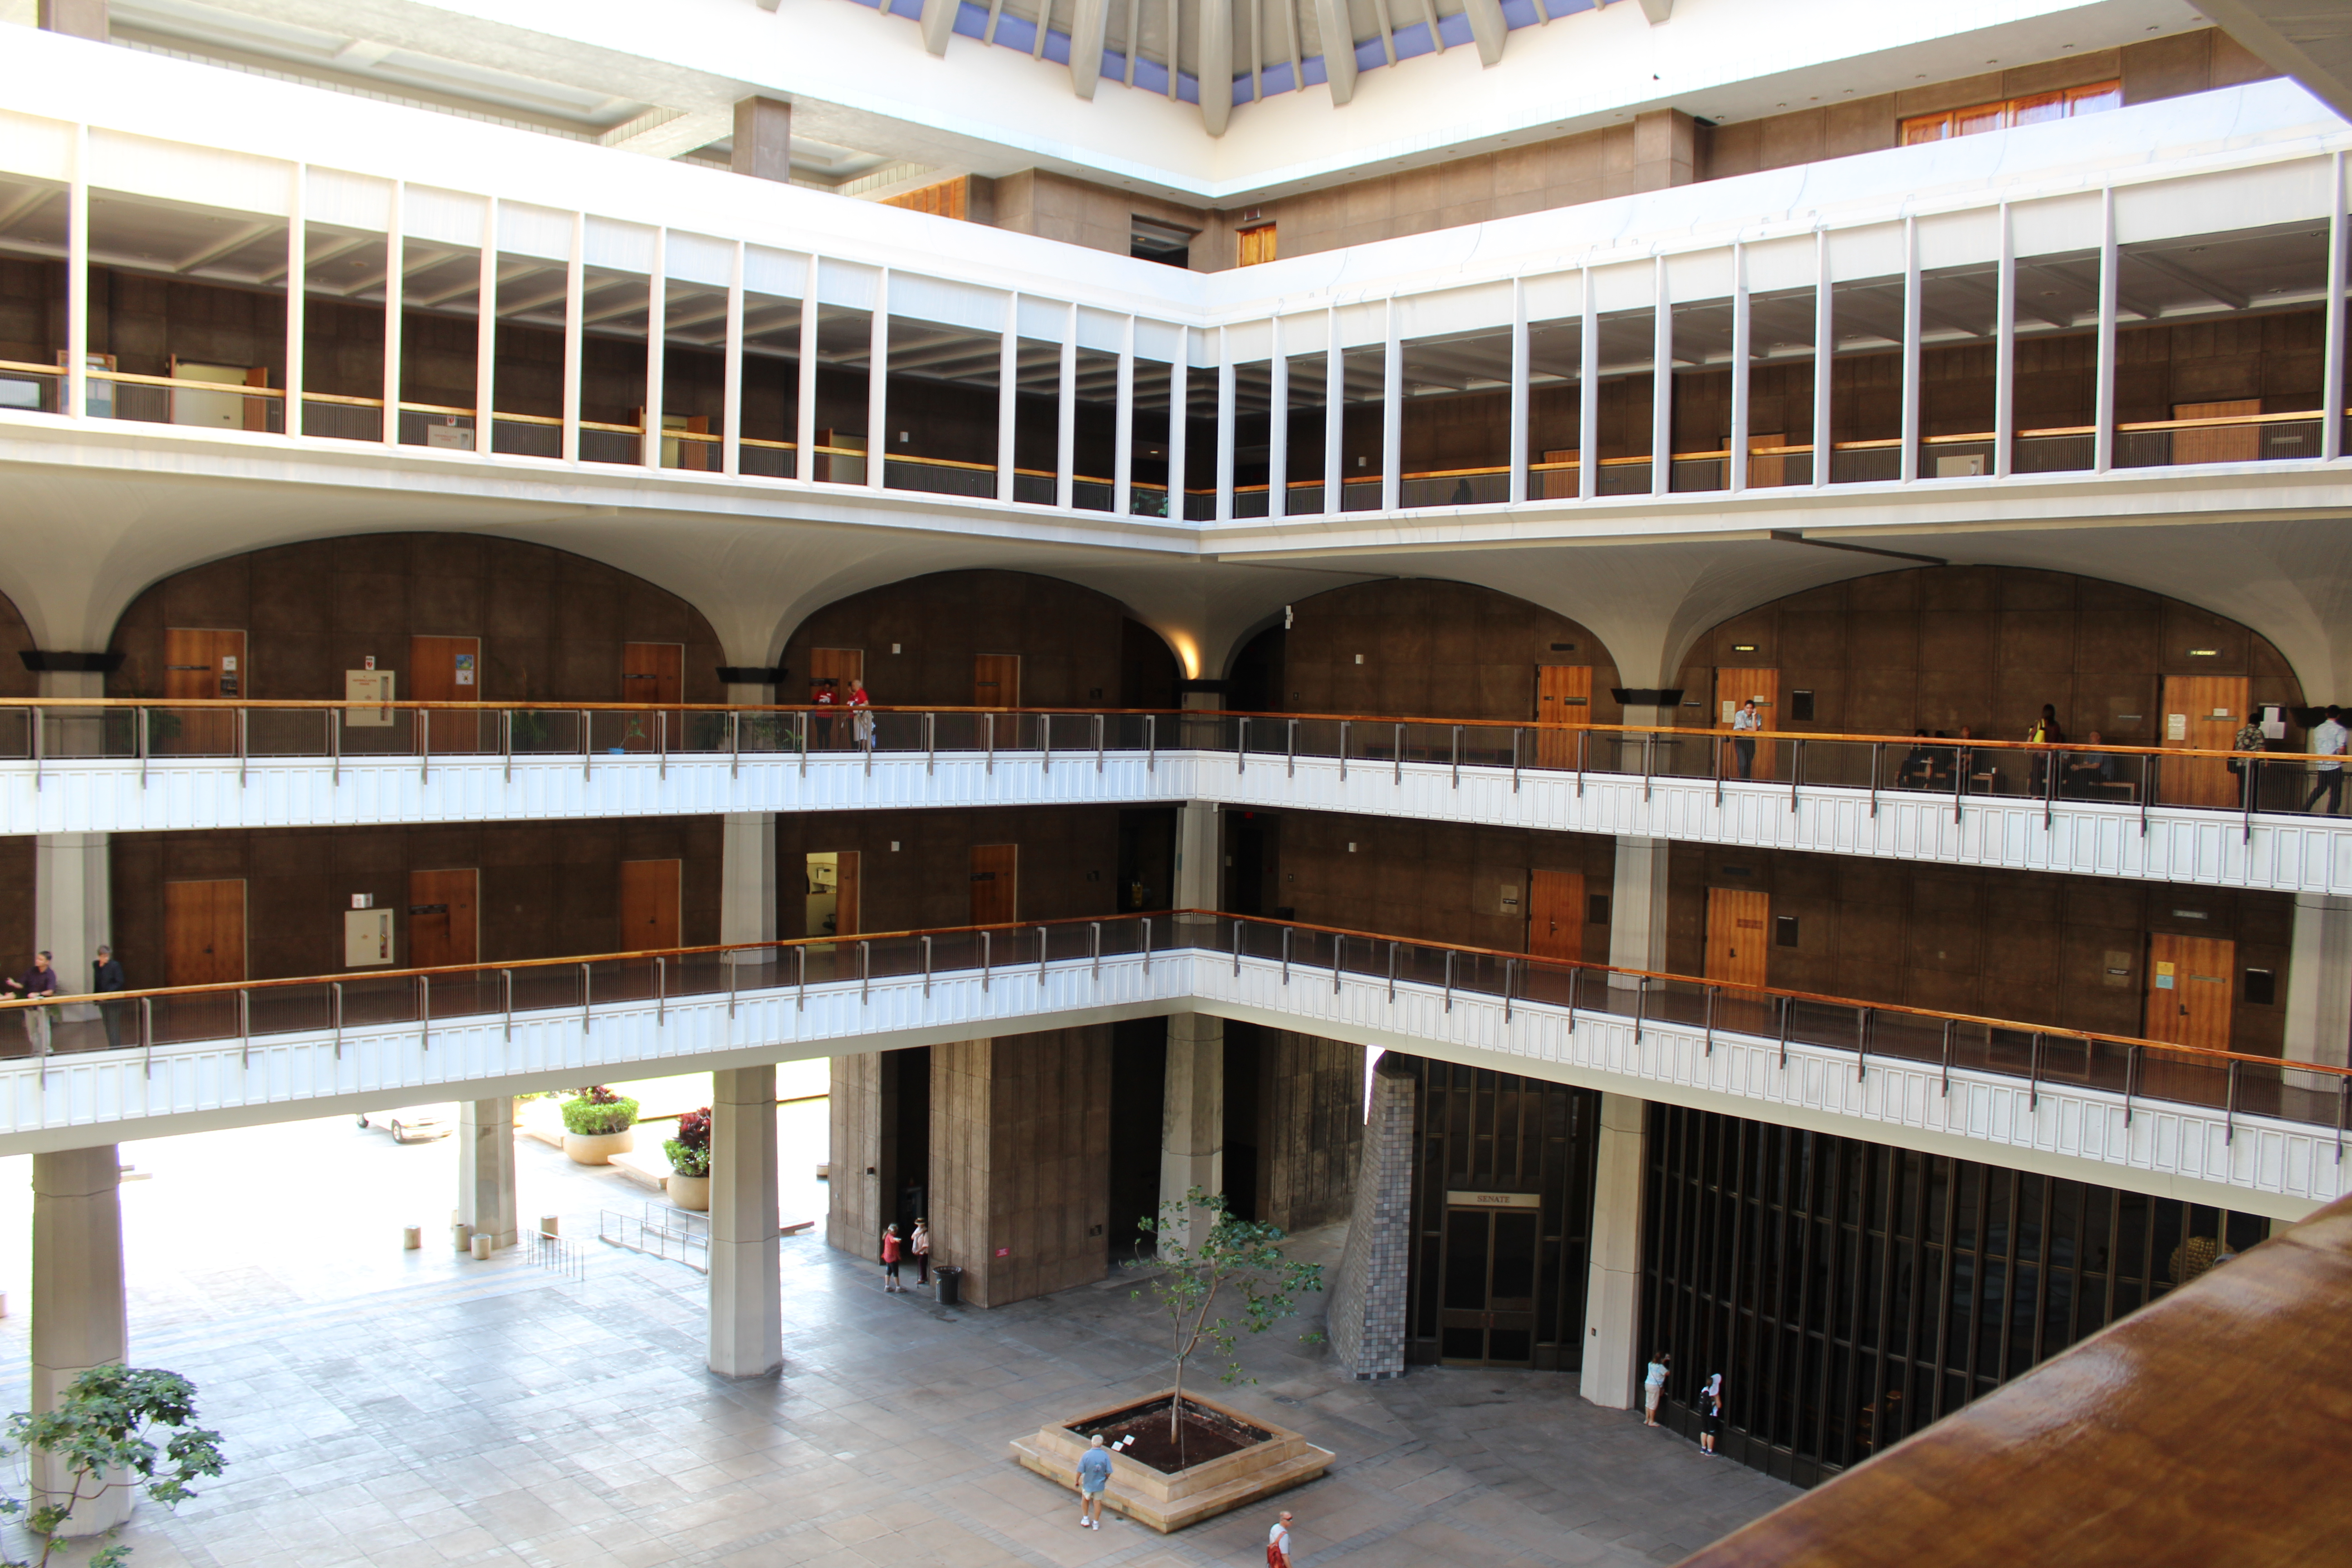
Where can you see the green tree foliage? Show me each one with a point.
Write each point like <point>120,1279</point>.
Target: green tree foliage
<point>1237,1261</point>
<point>103,1434</point>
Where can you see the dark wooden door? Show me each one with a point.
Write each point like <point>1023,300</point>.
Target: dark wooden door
<point>996,680</point>
<point>2202,712</point>
<point>1738,924</point>
<point>1563,696</point>
<point>1556,915</point>
<point>654,672</point>
<point>649,905</point>
<point>443,925</point>
<point>448,669</point>
<point>200,664</point>
<point>995,884</point>
<point>204,932</point>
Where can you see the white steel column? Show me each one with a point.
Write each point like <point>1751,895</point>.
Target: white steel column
<point>2331,399</point>
<point>2004,361</point>
<point>1824,357</point>
<point>1122,436</point>
<point>1227,391</point>
<point>650,452</point>
<point>486,333</point>
<point>486,1170</point>
<point>877,384</point>
<point>747,1308</point>
<point>1637,907</point>
<point>1065,441</point>
<point>1909,468</point>
<point>1335,417</point>
<point>2319,985</point>
<point>1180,453</point>
<point>297,271</point>
<point>1736,464</point>
<point>731,419</point>
<point>1392,414</point>
<point>1662,382</point>
<point>575,303</point>
<point>79,1316</point>
<point>2102,415</point>
<point>804,412</point>
<point>1588,399</point>
<point>1008,396</point>
<point>77,380</point>
<point>396,279</point>
<point>1277,425</point>
<point>1518,454</point>
<point>1612,1296</point>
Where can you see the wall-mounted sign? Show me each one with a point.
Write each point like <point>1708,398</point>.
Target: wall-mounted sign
<point>1494,1200</point>
<point>464,670</point>
<point>369,685</point>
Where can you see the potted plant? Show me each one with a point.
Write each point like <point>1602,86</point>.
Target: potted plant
<point>596,1123</point>
<point>689,1161</point>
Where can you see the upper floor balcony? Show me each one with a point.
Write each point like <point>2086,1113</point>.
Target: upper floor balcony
<point>2126,314</point>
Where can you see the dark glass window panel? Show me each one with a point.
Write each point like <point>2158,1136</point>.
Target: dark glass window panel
<point>2066,1226</point>
<point>1850,1183</point>
<point>2167,1256</point>
<point>1899,1301</point>
<point>1873,1270</point>
<point>2000,1187</point>
<point>2025,1297</point>
<point>2098,1230</point>
<point>1466,1260</point>
<point>1968,1192</point>
<point>2132,1218</point>
<point>1939,1183</point>
<point>1463,1344</point>
<point>1513,1284</point>
<point>1960,1296</point>
<point>1992,1301</point>
<point>1907,1163</point>
<point>2247,1230</point>
<point>2058,1329</point>
<point>2030,1192</point>
<point>1515,1346</point>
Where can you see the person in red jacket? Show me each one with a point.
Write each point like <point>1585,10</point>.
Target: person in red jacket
<point>892,1250</point>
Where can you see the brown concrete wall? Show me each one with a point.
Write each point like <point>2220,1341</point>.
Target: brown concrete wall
<point>1310,1128</point>
<point>1078,212</point>
<point>546,890</point>
<point>17,938</point>
<point>2008,944</point>
<point>1074,645</point>
<point>551,623</point>
<point>1068,865</point>
<point>854,1214</point>
<point>1019,1153</point>
<point>1983,647</point>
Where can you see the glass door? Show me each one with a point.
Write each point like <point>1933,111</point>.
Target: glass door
<point>1487,1313</point>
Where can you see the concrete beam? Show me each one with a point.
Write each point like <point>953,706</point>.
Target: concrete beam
<point>2309,41</point>
<point>1088,26</point>
<point>75,18</point>
<point>669,133</point>
<point>1487,27</point>
<point>763,140</point>
<point>939,24</point>
<point>1216,68</point>
<point>1338,32</point>
<point>1657,10</point>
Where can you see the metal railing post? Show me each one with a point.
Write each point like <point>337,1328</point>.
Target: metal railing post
<point>1960,779</point>
<point>1796,772</point>
<point>1237,947</point>
<point>801,1004</point>
<point>800,738</point>
<point>587,744</point>
<point>988,731</point>
<point>425,1011</point>
<point>1640,1006</point>
<point>243,743</point>
<point>1875,748</point>
<point>506,740</point>
<point>1457,757</point>
<point>1717,762</point>
<point>1291,749</point>
<point>1649,744</point>
<point>1093,937</point>
<point>1343,751</point>
<point>1393,969</point>
<point>2049,787</point>
<point>1449,979</point>
<point>1240,746</point>
<point>1515,759</point>
<point>1581,736</point>
<point>1948,1069</point>
<point>1147,944</point>
<point>424,746</point>
<point>1151,743</point>
<point>1510,973</point>
<point>931,744</point>
<point>1862,1051</point>
<point>1044,739</point>
<point>2034,1074</point>
<point>147,1035</point>
<point>1041,957</point>
<point>986,963</point>
<point>2230,1108</point>
<point>146,751</point>
<point>865,971</point>
<point>1784,1032</point>
<point>244,1036</point>
<point>1339,947</point>
<point>506,999</point>
<point>1099,744</point>
<point>927,968</point>
<point>1285,955</point>
<point>587,997</point>
<point>661,992</point>
<point>734,748</point>
<point>2148,776</point>
<point>1399,754</point>
<point>2131,1078</point>
<point>1711,993</point>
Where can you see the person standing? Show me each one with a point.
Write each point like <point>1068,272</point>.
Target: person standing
<point>1277,1543</point>
<point>891,1252</point>
<point>40,981</point>
<point>1654,1386</point>
<point>2328,745</point>
<point>1093,1474</point>
<point>2044,733</point>
<point>823,695</point>
<point>1710,1413</point>
<point>861,715</point>
<point>921,1242</point>
<point>2250,771</point>
<point>105,977</point>
<point>1744,725</point>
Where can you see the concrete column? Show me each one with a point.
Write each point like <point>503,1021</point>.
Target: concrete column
<point>72,888</point>
<point>79,1321</point>
<point>746,856</point>
<point>486,1170</point>
<point>78,18</point>
<point>1199,857</point>
<point>1613,1295</point>
<point>1019,1145</point>
<point>1637,906</point>
<point>764,138</point>
<point>1368,1292</point>
<point>1193,1114</point>
<point>747,1300</point>
<point>2319,985</point>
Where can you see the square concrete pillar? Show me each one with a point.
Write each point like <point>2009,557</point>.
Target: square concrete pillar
<point>2319,987</point>
<point>747,881</point>
<point>855,1115</point>
<point>1020,1195</point>
<point>486,1170</point>
<point>1637,907</point>
<point>1199,859</point>
<point>1192,1110</point>
<point>764,138</point>
<point>72,910</point>
<point>78,18</point>
<point>79,1316</point>
<point>747,1303</point>
<point>1613,1298</point>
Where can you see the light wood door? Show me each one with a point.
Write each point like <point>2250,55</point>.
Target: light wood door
<point>2202,712</point>
<point>448,669</point>
<point>1563,696</point>
<point>1733,687</point>
<point>1738,925</point>
<point>2189,989</point>
<point>649,905</point>
<point>1556,915</point>
<point>654,672</point>
<point>2218,443</point>
<point>1555,484</point>
<point>1764,472</point>
<point>1254,246</point>
<point>996,680</point>
<point>444,927</point>
<point>995,884</point>
<point>201,664</point>
<point>204,932</point>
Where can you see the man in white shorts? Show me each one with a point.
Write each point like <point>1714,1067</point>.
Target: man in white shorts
<point>1654,1386</point>
<point>1093,1474</point>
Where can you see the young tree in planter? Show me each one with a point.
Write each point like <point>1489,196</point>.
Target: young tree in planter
<point>1230,1258</point>
<point>102,1436</point>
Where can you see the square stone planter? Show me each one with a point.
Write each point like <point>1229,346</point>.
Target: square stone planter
<point>1279,1460</point>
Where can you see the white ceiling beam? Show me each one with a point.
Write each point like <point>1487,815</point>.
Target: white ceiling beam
<point>939,24</point>
<point>1089,25</point>
<point>671,133</point>
<point>1216,65</point>
<point>1487,27</point>
<point>1338,33</point>
<point>1657,10</point>
<point>227,246</point>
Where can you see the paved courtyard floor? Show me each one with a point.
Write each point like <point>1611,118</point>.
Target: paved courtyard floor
<point>408,1410</point>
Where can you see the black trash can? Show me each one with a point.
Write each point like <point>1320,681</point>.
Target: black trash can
<point>950,1284</point>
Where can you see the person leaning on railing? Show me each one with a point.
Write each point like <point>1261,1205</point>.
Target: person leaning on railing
<point>2249,738</point>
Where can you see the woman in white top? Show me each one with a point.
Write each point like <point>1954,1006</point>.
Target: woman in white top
<point>1654,1387</point>
<point>1743,746</point>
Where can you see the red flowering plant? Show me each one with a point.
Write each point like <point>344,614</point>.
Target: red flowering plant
<point>689,1151</point>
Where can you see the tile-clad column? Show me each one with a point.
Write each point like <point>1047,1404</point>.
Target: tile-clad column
<point>486,1169</point>
<point>747,1308</point>
<point>80,1318</point>
<point>1613,1298</point>
<point>1368,1292</point>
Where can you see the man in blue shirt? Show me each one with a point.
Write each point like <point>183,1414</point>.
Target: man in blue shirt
<point>1093,1474</point>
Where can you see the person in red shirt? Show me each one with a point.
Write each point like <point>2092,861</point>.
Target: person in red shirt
<point>892,1250</point>
<point>825,697</point>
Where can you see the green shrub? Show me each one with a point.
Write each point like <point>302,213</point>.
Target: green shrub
<point>596,1109</point>
<point>689,1151</point>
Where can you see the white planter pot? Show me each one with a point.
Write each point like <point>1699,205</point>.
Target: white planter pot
<point>598,1148</point>
<point>689,1192</point>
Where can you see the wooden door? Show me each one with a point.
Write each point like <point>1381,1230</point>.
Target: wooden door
<point>200,665</point>
<point>2218,443</point>
<point>204,932</point>
<point>996,680</point>
<point>654,672</point>
<point>847,915</point>
<point>843,668</point>
<point>1764,472</point>
<point>1733,687</point>
<point>2204,711</point>
<point>1555,484</point>
<point>2189,990</point>
<point>1563,696</point>
<point>1254,246</point>
<point>443,925</point>
<point>995,884</point>
<point>448,669</point>
<point>649,900</point>
<point>1738,925</point>
<point>1556,915</point>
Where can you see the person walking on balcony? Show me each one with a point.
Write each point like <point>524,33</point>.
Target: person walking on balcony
<point>1654,1386</point>
<point>1744,725</point>
<point>861,715</point>
<point>1710,1413</point>
<point>892,1250</point>
<point>921,1243</point>
<point>106,975</point>
<point>2250,771</point>
<point>40,981</point>
<point>2328,745</point>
